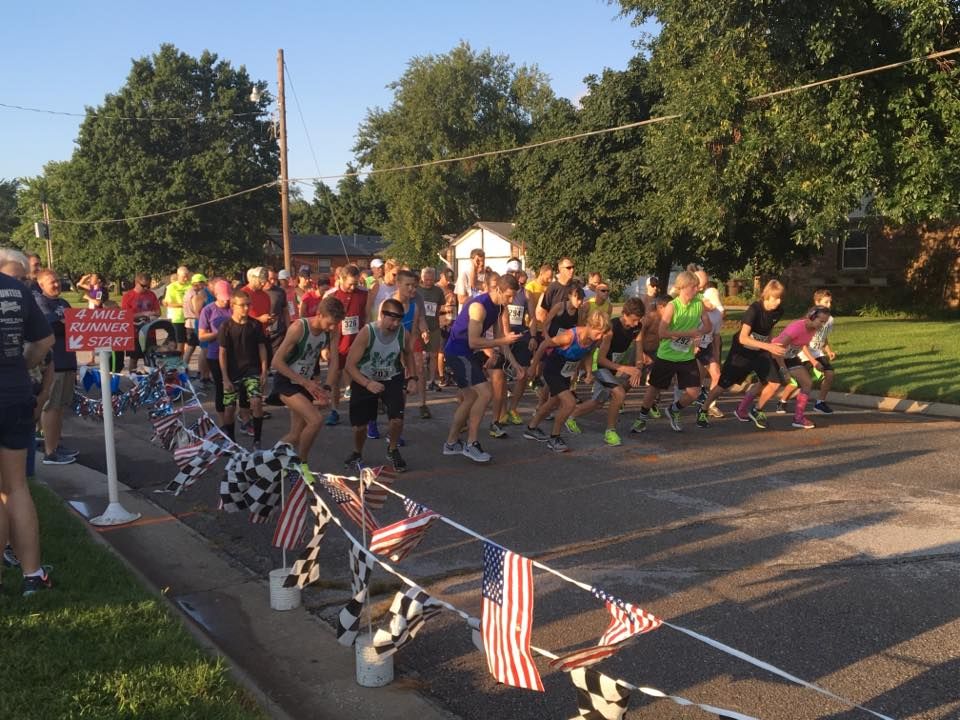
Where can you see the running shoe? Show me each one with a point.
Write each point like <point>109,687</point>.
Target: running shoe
<point>372,431</point>
<point>56,458</point>
<point>702,421</point>
<point>267,414</point>
<point>513,417</point>
<point>246,427</point>
<point>702,397</point>
<point>425,413</point>
<point>10,557</point>
<point>353,459</point>
<point>496,431</point>
<point>535,434</point>
<point>557,445</point>
<point>759,418</point>
<point>454,448</point>
<point>715,412</point>
<point>781,408</point>
<point>803,423</point>
<point>573,427</point>
<point>333,419</point>
<point>433,387</point>
<point>36,583</point>
<point>400,441</point>
<point>67,451</point>
<point>674,417</point>
<point>638,426</point>
<point>821,407</point>
<point>346,392</point>
<point>656,413</point>
<point>399,464</point>
<point>476,453</point>
<point>611,438</point>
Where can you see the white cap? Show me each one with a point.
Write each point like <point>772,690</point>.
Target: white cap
<point>513,266</point>
<point>376,262</point>
<point>283,275</point>
<point>712,296</point>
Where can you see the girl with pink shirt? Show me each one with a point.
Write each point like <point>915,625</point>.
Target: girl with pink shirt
<point>796,338</point>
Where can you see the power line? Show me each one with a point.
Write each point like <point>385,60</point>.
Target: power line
<point>529,146</point>
<point>181,118</point>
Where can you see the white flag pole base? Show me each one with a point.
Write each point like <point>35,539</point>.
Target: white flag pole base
<point>373,670</point>
<point>115,514</point>
<point>282,598</point>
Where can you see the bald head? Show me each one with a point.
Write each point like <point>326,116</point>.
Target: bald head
<point>183,274</point>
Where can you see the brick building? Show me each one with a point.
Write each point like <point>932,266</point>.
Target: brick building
<point>325,253</point>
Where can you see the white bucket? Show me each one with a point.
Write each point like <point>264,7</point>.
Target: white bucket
<point>373,670</point>
<point>282,598</point>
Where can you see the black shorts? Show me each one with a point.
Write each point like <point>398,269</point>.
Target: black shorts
<point>16,425</point>
<point>705,354</point>
<point>740,363</point>
<point>283,386</point>
<point>824,363</point>
<point>521,351</point>
<point>553,375</point>
<point>363,403</point>
<point>217,374</point>
<point>180,333</point>
<point>193,339</point>
<point>663,371</point>
<point>467,369</point>
<point>795,362</point>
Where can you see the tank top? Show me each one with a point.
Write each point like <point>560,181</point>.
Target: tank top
<point>563,321</point>
<point>303,358</point>
<point>381,358</point>
<point>408,316</point>
<point>516,311</point>
<point>621,340</point>
<point>685,318</point>
<point>575,350</point>
<point>384,291</point>
<point>458,343</point>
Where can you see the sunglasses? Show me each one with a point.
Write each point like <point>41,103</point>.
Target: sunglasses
<point>567,267</point>
<point>391,314</point>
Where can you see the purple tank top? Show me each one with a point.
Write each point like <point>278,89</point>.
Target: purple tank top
<point>457,343</point>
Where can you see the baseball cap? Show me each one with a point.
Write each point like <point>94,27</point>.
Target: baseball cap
<point>712,296</point>
<point>305,271</point>
<point>222,290</point>
<point>513,266</point>
<point>283,275</point>
<point>198,278</point>
<point>376,262</point>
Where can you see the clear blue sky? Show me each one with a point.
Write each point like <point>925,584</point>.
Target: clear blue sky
<point>65,55</point>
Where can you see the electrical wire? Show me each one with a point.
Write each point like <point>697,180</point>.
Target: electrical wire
<point>180,118</point>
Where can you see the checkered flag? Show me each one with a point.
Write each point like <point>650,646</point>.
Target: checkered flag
<point>189,473</point>
<point>263,494</point>
<point>306,568</point>
<point>234,485</point>
<point>408,613</point>
<point>348,621</point>
<point>599,697</point>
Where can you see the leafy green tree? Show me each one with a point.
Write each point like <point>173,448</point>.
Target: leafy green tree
<point>121,168</point>
<point>460,103</point>
<point>736,179</point>
<point>354,209</point>
<point>8,208</point>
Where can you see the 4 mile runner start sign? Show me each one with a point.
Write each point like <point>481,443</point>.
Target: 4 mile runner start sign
<point>100,328</point>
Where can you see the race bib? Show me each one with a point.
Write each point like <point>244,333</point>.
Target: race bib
<point>569,368</point>
<point>350,325</point>
<point>430,308</point>
<point>617,357</point>
<point>382,374</point>
<point>681,344</point>
<point>515,313</point>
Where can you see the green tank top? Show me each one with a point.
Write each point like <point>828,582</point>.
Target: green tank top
<point>381,359</point>
<point>685,317</point>
<point>303,358</point>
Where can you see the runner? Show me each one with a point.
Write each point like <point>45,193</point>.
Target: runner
<point>519,312</point>
<point>447,316</point>
<point>376,365</point>
<point>243,363</point>
<point>750,352</point>
<point>295,363</point>
<point>434,298</point>
<point>536,287</point>
<point>709,349</point>
<point>823,353</point>
<point>796,337</point>
<point>208,326</point>
<point>376,273</point>
<point>194,300</point>
<point>556,292</point>
<point>464,355</point>
<point>416,329</point>
<point>173,302</point>
<point>470,282</point>
<point>683,322</point>
<point>565,351</point>
<point>384,288</point>
<point>615,374</point>
<point>354,301</point>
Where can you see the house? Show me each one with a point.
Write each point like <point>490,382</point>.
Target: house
<point>494,238</point>
<point>323,254</point>
<point>874,262</point>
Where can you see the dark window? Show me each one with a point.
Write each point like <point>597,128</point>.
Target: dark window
<point>856,247</point>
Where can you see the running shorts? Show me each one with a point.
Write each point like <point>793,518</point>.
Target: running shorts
<point>244,390</point>
<point>284,387</point>
<point>467,369</point>
<point>740,364</point>
<point>364,404</point>
<point>663,371</point>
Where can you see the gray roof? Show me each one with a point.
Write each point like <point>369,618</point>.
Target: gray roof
<point>503,229</point>
<point>363,245</point>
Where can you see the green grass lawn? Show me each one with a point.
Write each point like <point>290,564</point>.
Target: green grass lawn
<point>914,359</point>
<point>99,645</point>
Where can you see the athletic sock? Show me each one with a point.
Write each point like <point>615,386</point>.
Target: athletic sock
<point>745,404</point>
<point>37,573</point>
<point>257,428</point>
<point>230,429</point>
<point>802,400</point>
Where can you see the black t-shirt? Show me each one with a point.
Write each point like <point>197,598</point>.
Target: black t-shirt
<point>622,337</point>
<point>52,309</point>
<point>20,322</point>
<point>563,321</point>
<point>554,294</point>
<point>278,308</point>
<point>242,343</point>
<point>761,324</point>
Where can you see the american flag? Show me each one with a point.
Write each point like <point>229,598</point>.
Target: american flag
<point>412,507</point>
<point>398,539</point>
<point>508,617</point>
<point>293,519</point>
<point>348,502</point>
<point>373,495</point>
<point>183,455</point>
<point>584,658</point>
<point>626,619</point>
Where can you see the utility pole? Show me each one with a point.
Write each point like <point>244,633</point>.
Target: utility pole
<point>284,185</point>
<point>46,221</point>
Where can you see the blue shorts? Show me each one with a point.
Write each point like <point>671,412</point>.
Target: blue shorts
<point>16,425</point>
<point>467,369</point>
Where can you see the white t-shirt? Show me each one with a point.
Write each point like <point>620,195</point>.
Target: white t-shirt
<point>820,338</point>
<point>716,320</point>
<point>463,286</point>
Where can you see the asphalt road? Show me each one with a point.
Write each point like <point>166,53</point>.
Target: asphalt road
<point>832,553</point>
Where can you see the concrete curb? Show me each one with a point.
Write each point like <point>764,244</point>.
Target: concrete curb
<point>892,404</point>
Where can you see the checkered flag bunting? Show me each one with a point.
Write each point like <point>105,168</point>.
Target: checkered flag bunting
<point>408,613</point>
<point>348,621</point>
<point>598,697</point>
<point>626,620</point>
<point>253,481</point>
<point>306,568</point>
<point>206,456</point>
<point>234,485</point>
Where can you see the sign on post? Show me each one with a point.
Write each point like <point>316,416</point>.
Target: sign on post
<point>99,328</point>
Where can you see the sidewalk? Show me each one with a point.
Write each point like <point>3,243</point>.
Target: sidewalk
<point>290,661</point>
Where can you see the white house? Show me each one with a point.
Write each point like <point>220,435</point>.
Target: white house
<point>493,238</point>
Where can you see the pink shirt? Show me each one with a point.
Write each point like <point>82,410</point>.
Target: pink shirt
<point>795,337</point>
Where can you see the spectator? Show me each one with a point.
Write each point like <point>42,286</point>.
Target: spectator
<point>25,341</point>
<point>293,306</point>
<point>33,269</point>
<point>259,300</point>
<point>194,301</point>
<point>65,371</point>
<point>173,302</point>
<point>376,273</point>
<point>145,306</point>
<point>470,282</point>
<point>94,292</point>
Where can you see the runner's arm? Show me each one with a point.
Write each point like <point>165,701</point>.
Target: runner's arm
<point>748,342</point>
<point>289,342</point>
<point>333,364</point>
<point>475,338</point>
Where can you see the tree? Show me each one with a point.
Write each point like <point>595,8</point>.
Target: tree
<point>766,180</point>
<point>445,106</point>
<point>8,208</point>
<point>121,168</point>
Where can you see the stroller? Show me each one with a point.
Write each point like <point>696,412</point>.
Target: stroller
<point>158,343</point>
